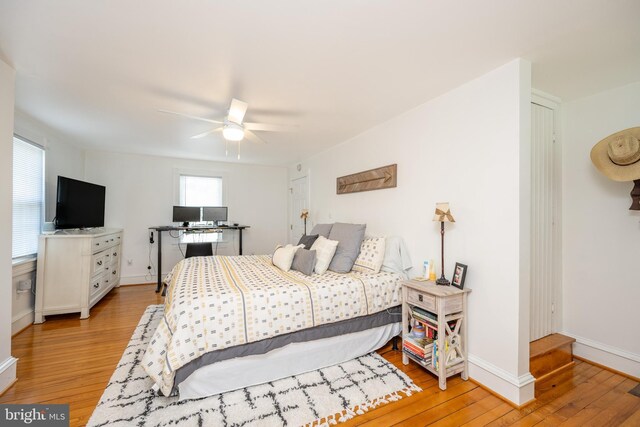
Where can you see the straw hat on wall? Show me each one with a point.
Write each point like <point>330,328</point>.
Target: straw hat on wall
<point>618,155</point>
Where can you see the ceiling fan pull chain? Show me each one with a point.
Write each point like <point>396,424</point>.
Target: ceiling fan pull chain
<point>226,148</point>
<point>238,150</point>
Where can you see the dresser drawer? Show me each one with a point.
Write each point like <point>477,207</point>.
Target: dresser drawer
<point>103,242</point>
<point>96,285</point>
<point>98,262</point>
<point>426,301</point>
<point>114,255</point>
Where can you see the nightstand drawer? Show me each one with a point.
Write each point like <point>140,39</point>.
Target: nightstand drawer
<point>426,301</point>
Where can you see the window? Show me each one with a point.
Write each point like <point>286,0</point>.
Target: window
<point>200,190</point>
<point>28,197</point>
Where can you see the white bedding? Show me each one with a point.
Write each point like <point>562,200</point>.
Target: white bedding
<point>219,302</point>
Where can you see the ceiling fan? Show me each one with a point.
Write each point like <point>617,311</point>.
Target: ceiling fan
<point>232,126</point>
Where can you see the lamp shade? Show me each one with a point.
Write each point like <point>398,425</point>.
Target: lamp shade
<point>443,213</point>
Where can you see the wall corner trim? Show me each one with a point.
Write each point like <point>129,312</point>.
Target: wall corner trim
<point>7,373</point>
<point>516,389</point>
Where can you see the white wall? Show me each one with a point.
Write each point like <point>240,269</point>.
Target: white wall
<point>465,147</point>
<point>140,194</point>
<point>62,157</point>
<point>7,91</point>
<point>601,236</point>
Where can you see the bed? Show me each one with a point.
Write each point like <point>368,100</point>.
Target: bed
<point>235,321</point>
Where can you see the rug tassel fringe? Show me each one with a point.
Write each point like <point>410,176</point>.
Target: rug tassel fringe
<point>349,413</point>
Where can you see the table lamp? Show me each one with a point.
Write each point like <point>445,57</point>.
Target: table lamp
<point>443,214</point>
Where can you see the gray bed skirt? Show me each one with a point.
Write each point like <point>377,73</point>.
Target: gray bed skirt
<point>382,318</point>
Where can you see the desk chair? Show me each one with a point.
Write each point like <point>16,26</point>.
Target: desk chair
<point>193,249</point>
<point>198,249</point>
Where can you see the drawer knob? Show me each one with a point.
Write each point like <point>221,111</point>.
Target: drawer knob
<point>115,254</point>
<point>106,268</point>
<point>107,281</point>
<point>113,272</point>
<point>99,262</point>
<point>97,285</point>
<point>420,298</point>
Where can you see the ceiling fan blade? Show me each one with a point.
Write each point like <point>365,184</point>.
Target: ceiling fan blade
<point>237,111</point>
<point>202,119</point>
<point>203,134</point>
<point>263,127</point>
<point>253,137</point>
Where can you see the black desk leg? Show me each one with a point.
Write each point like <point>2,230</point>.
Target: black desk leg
<point>240,241</point>
<point>159,286</point>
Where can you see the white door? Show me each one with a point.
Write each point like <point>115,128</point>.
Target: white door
<point>543,192</point>
<point>299,201</point>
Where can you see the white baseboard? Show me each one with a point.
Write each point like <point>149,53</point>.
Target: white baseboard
<point>21,321</point>
<point>137,280</point>
<point>604,354</point>
<point>7,373</point>
<point>518,390</point>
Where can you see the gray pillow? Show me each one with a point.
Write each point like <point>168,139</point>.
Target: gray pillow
<point>322,230</point>
<point>304,261</point>
<point>307,240</point>
<point>349,237</point>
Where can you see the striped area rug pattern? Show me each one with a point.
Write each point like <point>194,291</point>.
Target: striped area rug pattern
<point>323,397</point>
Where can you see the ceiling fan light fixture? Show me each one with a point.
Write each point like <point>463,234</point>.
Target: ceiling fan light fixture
<point>233,132</point>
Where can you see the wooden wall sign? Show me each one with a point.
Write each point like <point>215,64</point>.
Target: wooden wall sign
<point>374,179</point>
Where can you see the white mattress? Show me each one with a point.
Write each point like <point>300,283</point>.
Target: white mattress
<point>290,360</point>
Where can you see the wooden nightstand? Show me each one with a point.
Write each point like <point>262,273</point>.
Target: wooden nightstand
<point>443,311</point>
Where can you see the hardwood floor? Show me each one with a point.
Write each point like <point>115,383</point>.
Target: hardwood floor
<point>68,360</point>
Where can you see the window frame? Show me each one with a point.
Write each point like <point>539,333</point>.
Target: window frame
<point>27,257</point>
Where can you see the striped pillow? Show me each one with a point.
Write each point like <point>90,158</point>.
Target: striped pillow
<point>371,255</point>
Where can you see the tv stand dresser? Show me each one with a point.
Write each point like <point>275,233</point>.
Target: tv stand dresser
<point>76,268</point>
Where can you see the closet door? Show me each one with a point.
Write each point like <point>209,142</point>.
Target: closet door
<point>543,286</point>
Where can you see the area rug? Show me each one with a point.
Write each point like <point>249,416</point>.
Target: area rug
<point>323,397</point>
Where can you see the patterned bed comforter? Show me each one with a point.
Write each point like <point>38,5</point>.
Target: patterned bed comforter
<point>223,301</point>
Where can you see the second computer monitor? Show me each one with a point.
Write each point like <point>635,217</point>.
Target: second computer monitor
<point>216,214</point>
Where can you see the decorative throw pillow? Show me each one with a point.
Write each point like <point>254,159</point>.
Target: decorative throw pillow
<point>350,238</point>
<point>304,261</point>
<point>325,249</point>
<point>322,230</point>
<point>307,240</point>
<point>283,256</point>
<point>371,255</point>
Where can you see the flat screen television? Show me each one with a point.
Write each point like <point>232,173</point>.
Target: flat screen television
<point>79,204</point>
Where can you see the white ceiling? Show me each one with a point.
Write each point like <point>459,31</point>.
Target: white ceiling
<point>98,70</point>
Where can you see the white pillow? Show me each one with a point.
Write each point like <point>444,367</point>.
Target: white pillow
<point>371,255</point>
<point>283,256</point>
<point>325,249</point>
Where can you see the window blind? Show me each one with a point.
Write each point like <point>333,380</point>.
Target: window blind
<point>28,197</point>
<point>200,190</point>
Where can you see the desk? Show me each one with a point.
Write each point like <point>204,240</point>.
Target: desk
<point>160,229</point>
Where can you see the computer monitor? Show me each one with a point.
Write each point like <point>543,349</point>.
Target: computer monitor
<point>186,214</point>
<point>214,213</point>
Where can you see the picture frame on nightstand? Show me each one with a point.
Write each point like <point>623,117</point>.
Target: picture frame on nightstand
<point>459,275</point>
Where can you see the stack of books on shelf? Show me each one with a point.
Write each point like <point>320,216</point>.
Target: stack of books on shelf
<point>428,319</point>
<point>418,348</point>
